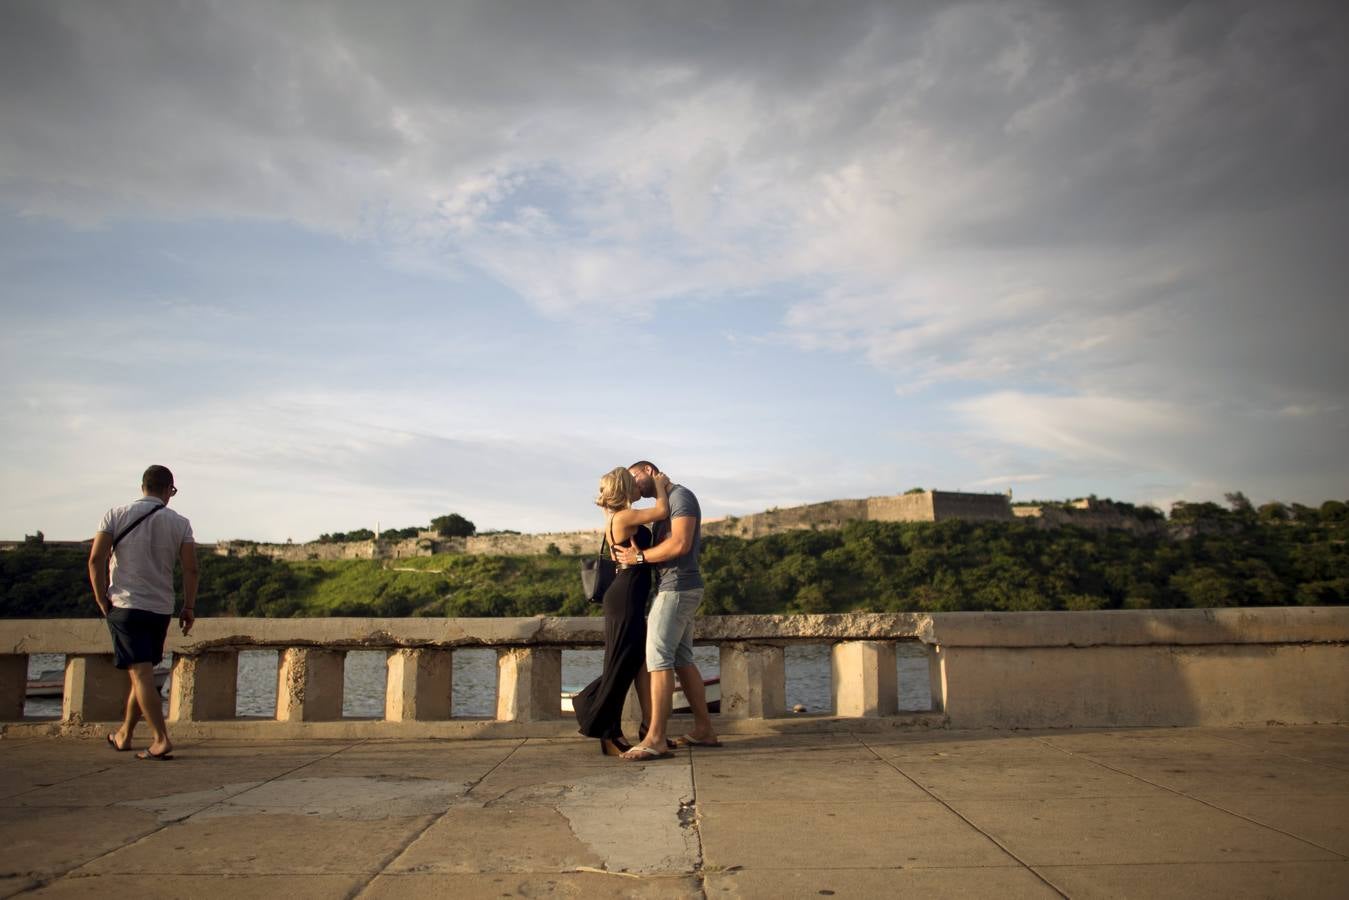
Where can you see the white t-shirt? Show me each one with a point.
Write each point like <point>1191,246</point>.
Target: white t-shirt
<point>141,576</point>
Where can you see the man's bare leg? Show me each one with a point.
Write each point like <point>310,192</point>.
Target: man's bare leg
<point>147,697</point>
<point>130,718</point>
<point>691,680</point>
<point>662,689</point>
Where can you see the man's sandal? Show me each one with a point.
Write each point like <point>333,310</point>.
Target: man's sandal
<point>158,757</point>
<point>689,740</point>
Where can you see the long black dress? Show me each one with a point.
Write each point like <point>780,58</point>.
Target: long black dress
<point>599,705</point>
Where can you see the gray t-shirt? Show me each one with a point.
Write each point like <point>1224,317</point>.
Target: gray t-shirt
<point>680,573</point>
<point>141,574</point>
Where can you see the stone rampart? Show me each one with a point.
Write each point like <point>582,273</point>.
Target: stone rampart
<point>971,507</point>
<point>902,508</point>
<point>335,550</point>
<point>830,514</point>
<point>925,506</point>
<point>569,543</point>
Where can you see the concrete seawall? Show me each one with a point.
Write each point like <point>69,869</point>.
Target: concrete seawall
<point>986,670</point>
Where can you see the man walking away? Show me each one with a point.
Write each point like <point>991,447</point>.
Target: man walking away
<point>142,540</point>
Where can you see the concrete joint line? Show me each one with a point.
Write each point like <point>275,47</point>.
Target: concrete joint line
<point>1301,759</point>
<point>264,783</point>
<point>997,843</point>
<point>430,822</point>
<point>153,831</point>
<point>43,787</point>
<point>689,818</point>
<point>1199,800</point>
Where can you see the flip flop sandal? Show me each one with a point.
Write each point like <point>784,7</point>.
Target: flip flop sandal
<point>158,757</point>
<point>641,736</point>
<point>646,754</point>
<point>689,740</point>
<point>113,744</point>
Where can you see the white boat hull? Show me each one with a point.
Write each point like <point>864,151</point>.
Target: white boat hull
<point>52,685</point>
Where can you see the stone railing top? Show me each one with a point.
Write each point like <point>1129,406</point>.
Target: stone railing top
<point>1268,625</point>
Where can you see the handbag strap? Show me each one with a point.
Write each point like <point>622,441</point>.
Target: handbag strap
<point>132,527</point>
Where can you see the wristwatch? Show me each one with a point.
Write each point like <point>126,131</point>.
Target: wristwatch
<point>640,558</point>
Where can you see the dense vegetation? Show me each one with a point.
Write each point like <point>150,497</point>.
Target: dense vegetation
<point>1206,556</point>
<point>1220,560</point>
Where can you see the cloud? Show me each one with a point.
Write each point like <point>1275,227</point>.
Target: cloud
<point>1093,428</point>
<point>997,480</point>
<point>1106,234</point>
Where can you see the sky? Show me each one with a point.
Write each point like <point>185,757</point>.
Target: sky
<point>347,264</point>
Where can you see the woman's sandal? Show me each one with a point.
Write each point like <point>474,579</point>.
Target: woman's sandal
<point>158,757</point>
<point>112,742</point>
<point>614,746</point>
<point>645,754</point>
<point>641,736</point>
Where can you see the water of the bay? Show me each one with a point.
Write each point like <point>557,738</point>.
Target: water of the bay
<point>808,679</point>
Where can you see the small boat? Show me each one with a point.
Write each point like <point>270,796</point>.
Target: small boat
<point>679,703</point>
<point>52,684</point>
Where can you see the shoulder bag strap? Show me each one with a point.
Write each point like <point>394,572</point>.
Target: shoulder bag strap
<point>132,527</point>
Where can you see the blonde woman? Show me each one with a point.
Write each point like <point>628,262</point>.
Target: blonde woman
<point>599,706</point>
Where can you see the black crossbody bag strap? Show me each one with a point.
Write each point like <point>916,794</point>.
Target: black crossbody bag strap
<point>132,527</point>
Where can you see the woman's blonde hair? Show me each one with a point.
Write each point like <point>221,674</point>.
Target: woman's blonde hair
<point>617,489</point>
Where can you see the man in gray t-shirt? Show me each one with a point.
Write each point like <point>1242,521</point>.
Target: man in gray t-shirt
<point>143,541</point>
<point>676,542</point>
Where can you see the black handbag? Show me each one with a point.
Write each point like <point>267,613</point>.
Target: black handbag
<point>598,573</point>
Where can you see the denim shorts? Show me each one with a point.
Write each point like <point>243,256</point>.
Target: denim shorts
<point>669,629</point>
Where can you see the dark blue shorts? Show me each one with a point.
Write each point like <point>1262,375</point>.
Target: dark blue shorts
<point>137,636</point>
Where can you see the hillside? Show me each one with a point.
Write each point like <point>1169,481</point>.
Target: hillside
<point>1207,556</point>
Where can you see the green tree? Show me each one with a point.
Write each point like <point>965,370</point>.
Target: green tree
<point>1274,512</point>
<point>453,525</point>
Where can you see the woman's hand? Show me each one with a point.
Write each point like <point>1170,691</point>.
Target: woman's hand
<point>663,483</point>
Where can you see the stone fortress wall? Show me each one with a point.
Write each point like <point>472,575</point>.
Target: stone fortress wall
<point>924,506</point>
<point>1090,513</point>
<point>428,543</point>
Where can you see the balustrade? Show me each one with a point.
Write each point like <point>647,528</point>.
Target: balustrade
<point>1003,670</point>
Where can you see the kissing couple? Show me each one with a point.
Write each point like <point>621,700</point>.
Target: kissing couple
<point>653,546</point>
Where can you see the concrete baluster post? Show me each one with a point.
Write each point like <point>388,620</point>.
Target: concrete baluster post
<point>753,680</point>
<point>865,679</point>
<point>529,684</point>
<point>95,691</point>
<point>13,685</point>
<point>420,685</point>
<point>936,677</point>
<point>204,687</point>
<point>309,684</point>
<point>632,707</point>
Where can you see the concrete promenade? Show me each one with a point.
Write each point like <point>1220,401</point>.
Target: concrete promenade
<point>1173,812</point>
